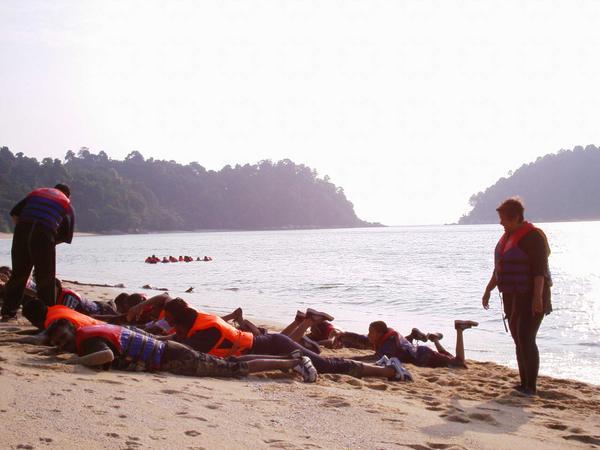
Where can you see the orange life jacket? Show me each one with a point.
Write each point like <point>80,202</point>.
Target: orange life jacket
<point>78,320</point>
<point>385,337</point>
<point>240,340</point>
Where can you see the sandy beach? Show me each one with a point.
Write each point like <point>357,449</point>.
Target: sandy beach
<point>47,404</point>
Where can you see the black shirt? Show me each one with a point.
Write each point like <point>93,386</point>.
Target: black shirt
<point>203,340</point>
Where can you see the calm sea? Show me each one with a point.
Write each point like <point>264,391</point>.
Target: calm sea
<point>423,276</point>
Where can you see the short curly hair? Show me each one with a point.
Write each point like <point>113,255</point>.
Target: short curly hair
<point>512,208</point>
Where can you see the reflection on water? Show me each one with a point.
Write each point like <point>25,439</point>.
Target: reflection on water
<point>408,276</point>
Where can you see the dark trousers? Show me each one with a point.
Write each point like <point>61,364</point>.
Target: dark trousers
<point>32,247</point>
<point>282,345</point>
<point>524,327</point>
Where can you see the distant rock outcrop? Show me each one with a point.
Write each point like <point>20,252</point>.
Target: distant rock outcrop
<point>558,187</point>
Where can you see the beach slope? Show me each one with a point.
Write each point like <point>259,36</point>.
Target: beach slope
<point>45,403</point>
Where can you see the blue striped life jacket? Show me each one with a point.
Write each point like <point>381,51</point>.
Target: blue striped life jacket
<point>48,207</point>
<point>130,345</point>
<point>512,265</point>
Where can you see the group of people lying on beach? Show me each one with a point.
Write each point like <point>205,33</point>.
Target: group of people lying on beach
<point>171,259</point>
<point>167,334</point>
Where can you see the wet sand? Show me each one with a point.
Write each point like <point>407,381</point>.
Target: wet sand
<point>47,404</point>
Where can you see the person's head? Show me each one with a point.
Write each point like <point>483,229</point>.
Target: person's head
<point>61,334</point>
<point>376,331</point>
<point>180,315</point>
<point>35,311</point>
<point>5,270</point>
<point>121,303</point>
<point>64,189</point>
<point>135,299</point>
<point>510,213</point>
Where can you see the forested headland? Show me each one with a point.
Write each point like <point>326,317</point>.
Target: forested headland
<point>557,187</point>
<point>147,195</point>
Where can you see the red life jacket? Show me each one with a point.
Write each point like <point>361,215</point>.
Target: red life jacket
<point>78,320</point>
<point>240,340</point>
<point>388,333</point>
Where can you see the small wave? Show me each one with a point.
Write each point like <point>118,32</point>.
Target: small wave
<point>233,289</point>
<point>589,344</point>
<point>329,286</point>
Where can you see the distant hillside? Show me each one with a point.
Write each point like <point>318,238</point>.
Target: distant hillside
<point>558,187</point>
<point>137,195</point>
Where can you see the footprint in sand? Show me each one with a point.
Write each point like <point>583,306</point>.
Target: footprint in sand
<point>586,439</point>
<point>556,426</point>
<point>355,382</point>
<point>25,446</point>
<point>112,435</point>
<point>170,391</point>
<point>457,418</point>
<point>378,386</point>
<point>487,418</point>
<point>434,408</point>
<point>192,433</point>
<point>213,406</point>
<point>335,402</point>
<point>442,446</point>
<point>46,440</point>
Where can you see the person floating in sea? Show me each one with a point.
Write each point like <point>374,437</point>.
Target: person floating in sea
<point>389,343</point>
<point>523,278</point>
<point>122,348</point>
<point>42,220</point>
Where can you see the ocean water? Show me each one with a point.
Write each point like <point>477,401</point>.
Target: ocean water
<point>421,276</point>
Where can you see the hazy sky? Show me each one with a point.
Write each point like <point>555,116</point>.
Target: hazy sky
<point>411,106</point>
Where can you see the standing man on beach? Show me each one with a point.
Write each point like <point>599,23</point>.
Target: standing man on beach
<point>42,219</point>
<point>522,276</point>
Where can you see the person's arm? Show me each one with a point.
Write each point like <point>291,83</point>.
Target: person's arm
<point>115,319</point>
<point>66,229</point>
<point>98,358</point>
<point>136,311</point>
<point>485,300</point>
<point>93,352</point>
<point>16,211</point>
<point>535,246</point>
<point>537,306</point>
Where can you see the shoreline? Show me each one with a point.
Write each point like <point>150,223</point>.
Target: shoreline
<point>443,408</point>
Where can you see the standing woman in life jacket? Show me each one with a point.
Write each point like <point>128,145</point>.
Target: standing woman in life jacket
<point>42,219</point>
<point>522,276</point>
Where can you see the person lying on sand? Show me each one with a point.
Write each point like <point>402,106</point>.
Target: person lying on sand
<point>149,315</point>
<point>42,316</point>
<point>210,334</point>
<point>73,300</point>
<point>390,344</point>
<point>122,348</point>
<point>29,292</point>
<point>296,330</point>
